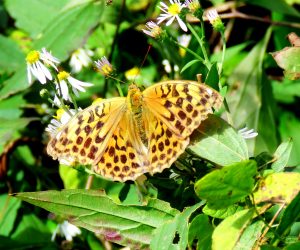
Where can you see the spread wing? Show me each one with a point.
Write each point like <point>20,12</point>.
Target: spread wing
<point>172,111</point>
<point>85,137</point>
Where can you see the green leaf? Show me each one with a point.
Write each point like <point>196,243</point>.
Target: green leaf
<point>250,236</point>
<point>91,209</point>
<point>71,27</point>
<point>174,234</point>
<point>289,60</point>
<point>282,156</point>
<point>279,6</point>
<point>10,108</point>
<point>212,78</point>
<point>286,91</point>
<point>289,127</point>
<point>221,213</point>
<point>250,99</point>
<point>11,57</point>
<point>278,187</point>
<point>294,246</point>
<point>224,187</point>
<point>201,230</point>
<point>8,213</point>
<point>227,234</point>
<point>216,141</point>
<point>44,12</point>
<point>290,215</point>
<point>189,64</point>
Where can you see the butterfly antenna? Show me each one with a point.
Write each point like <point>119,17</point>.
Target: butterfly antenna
<point>145,57</point>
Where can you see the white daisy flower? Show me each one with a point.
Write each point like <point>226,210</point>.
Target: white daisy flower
<point>65,78</point>
<point>247,133</point>
<point>152,30</point>
<point>80,58</point>
<point>172,12</point>
<point>104,66</point>
<point>36,65</point>
<point>67,230</point>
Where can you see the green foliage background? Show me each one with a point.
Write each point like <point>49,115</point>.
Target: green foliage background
<point>219,195</point>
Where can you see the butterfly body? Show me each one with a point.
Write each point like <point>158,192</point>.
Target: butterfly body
<point>125,137</point>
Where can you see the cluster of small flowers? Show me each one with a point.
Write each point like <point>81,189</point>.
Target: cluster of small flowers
<point>174,11</point>
<point>40,63</point>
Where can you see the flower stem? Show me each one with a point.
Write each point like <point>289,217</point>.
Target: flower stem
<point>223,52</point>
<point>188,50</point>
<point>202,45</point>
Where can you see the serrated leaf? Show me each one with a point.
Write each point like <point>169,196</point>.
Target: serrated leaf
<point>130,225</point>
<point>216,141</point>
<point>282,156</point>
<point>201,230</point>
<point>229,231</point>
<point>278,188</point>
<point>224,187</point>
<point>166,235</point>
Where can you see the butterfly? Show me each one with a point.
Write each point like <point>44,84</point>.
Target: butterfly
<point>145,132</point>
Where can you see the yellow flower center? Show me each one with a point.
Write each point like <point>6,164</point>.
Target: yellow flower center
<point>156,31</point>
<point>63,75</point>
<point>194,6</point>
<point>33,56</point>
<point>106,69</point>
<point>132,73</point>
<point>174,9</point>
<point>59,114</point>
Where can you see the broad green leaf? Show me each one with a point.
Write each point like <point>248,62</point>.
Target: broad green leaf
<point>91,209</point>
<point>278,187</point>
<point>289,127</point>
<point>227,234</point>
<point>216,141</point>
<point>286,91</point>
<point>294,246</point>
<point>224,187</point>
<point>10,55</point>
<point>201,230</point>
<point>250,99</point>
<point>279,6</point>
<point>282,156</point>
<point>250,236</point>
<point>221,213</point>
<point>8,213</point>
<point>10,108</point>
<point>290,215</point>
<point>289,60</point>
<point>174,234</point>
<point>44,12</point>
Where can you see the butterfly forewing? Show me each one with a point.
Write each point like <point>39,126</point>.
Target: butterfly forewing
<point>84,138</point>
<point>181,105</point>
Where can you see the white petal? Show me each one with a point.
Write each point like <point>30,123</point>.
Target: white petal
<point>29,73</point>
<point>38,73</point>
<point>45,71</point>
<point>181,24</point>
<point>170,21</point>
